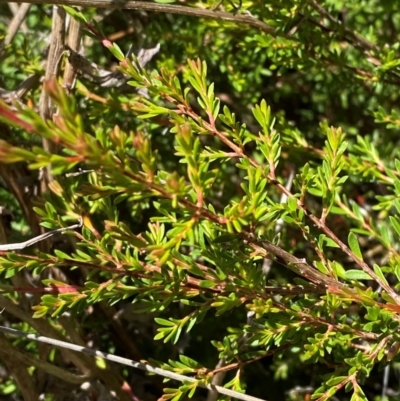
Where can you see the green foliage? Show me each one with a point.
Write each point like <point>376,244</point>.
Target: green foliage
<point>183,181</point>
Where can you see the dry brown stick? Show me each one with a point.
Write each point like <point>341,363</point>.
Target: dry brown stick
<point>22,89</point>
<point>48,234</point>
<point>299,266</point>
<point>16,22</point>
<point>52,67</point>
<point>356,39</point>
<point>14,9</point>
<point>55,51</point>
<point>3,237</point>
<point>74,43</point>
<point>163,8</point>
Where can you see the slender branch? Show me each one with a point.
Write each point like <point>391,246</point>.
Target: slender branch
<point>74,43</point>
<point>161,8</point>
<point>356,39</point>
<point>300,266</point>
<point>109,376</point>
<point>46,106</point>
<point>127,362</point>
<point>15,24</point>
<point>14,8</point>
<point>43,326</point>
<point>318,222</point>
<point>24,87</point>
<point>25,358</point>
<point>22,245</point>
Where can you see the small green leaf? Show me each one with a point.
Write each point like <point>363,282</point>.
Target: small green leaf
<point>395,224</point>
<point>101,363</point>
<point>354,245</point>
<point>379,273</point>
<point>190,362</point>
<point>164,322</point>
<point>355,274</point>
<point>116,51</point>
<point>385,234</point>
<point>320,266</point>
<point>335,380</point>
<point>61,254</point>
<point>75,14</point>
<point>159,336</point>
<point>39,211</point>
<point>207,284</point>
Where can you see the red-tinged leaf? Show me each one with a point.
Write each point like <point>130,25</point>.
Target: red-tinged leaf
<point>10,116</point>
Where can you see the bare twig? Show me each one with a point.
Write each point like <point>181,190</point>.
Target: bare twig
<point>385,383</point>
<point>74,43</point>
<point>104,78</point>
<point>16,22</point>
<point>22,245</point>
<point>25,358</point>
<point>14,9</point>
<point>128,362</point>
<point>80,172</point>
<point>92,72</point>
<point>163,8</point>
<point>354,37</point>
<point>53,60</point>
<point>82,362</point>
<point>10,96</point>
<point>109,376</point>
<point>55,51</point>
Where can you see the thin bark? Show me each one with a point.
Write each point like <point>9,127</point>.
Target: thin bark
<point>128,362</point>
<point>74,43</point>
<point>52,68</point>
<point>16,23</point>
<point>162,8</point>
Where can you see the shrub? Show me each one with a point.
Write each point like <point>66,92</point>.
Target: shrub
<point>239,201</point>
